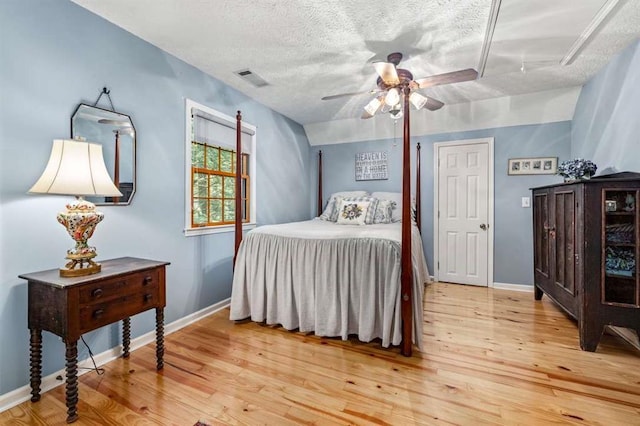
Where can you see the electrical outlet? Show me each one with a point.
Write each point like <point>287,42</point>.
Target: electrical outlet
<point>526,202</point>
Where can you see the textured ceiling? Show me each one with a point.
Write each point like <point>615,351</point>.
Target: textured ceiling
<point>309,49</point>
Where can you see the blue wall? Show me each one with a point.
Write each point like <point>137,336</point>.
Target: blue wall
<point>55,55</point>
<point>606,128</point>
<point>513,245</point>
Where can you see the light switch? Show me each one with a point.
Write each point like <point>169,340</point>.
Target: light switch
<point>526,202</point>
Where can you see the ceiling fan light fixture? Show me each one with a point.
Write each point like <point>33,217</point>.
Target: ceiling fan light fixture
<point>395,112</point>
<point>393,97</point>
<point>417,100</point>
<point>373,106</point>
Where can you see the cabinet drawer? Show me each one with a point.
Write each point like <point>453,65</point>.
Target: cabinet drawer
<point>96,315</point>
<point>118,287</point>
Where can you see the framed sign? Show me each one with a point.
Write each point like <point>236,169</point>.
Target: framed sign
<point>533,166</point>
<point>372,165</point>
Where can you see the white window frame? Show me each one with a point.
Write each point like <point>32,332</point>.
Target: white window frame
<point>227,121</point>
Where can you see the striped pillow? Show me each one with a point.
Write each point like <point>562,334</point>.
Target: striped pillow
<point>383,211</point>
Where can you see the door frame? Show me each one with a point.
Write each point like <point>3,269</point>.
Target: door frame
<point>490,202</point>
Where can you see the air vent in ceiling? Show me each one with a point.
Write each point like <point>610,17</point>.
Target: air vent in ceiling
<point>252,78</point>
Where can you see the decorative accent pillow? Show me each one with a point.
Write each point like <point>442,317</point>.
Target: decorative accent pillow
<point>383,212</point>
<point>330,212</point>
<point>396,205</point>
<point>352,212</point>
<point>373,204</point>
<point>394,197</point>
<point>414,211</point>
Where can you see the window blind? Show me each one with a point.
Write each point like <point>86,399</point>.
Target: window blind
<point>215,131</point>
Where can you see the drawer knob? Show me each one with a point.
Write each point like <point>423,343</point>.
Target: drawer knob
<point>148,297</point>
<point>98,313</point>
<point>148,280</point>
<point>97,292</point>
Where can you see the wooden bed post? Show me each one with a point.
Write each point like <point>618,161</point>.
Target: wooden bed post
<point>418,200</point>
<point>238,207</point>
<point>406,275</point>
<point>319,182</point>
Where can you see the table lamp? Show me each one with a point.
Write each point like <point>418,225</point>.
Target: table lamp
<point>77,168</point>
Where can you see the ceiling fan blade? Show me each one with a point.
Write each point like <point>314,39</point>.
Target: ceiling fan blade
<point>433,104</point>
<point>387,72</point>
<point>342,95</point>
<point>448,78</point>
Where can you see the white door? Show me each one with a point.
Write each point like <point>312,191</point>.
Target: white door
<point>463,225</point>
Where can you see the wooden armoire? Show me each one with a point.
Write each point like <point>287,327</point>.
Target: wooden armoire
<point>586,250</point>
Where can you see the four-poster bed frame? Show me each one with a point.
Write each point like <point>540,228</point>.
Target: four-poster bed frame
<point>406,275</point>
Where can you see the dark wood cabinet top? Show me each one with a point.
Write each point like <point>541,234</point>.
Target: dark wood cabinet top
<point>610,178</point>
<point>110,269</point>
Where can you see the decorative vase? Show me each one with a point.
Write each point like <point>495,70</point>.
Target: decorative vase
<point>577,178</point>
<point>577,169</point>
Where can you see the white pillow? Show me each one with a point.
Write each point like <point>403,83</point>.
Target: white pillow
<point>345,194</point>
<point>396,200</point>
<point>331,210</point>
<point>352,212</point>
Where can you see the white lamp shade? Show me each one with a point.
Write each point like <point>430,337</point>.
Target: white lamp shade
<point>76,168</point>
<point>393,97</point>
<point>418,100</point>
<point>373,106</point>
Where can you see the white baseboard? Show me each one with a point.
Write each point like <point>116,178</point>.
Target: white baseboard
<point>514,287</point>
<point>18,396</point>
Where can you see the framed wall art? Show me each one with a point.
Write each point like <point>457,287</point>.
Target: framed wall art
<point>533,166</point>
<point>372,166</point>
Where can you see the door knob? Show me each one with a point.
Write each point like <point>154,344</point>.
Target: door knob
<point>484,226</point>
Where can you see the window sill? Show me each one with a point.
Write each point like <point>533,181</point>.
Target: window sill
<point>191,232</point>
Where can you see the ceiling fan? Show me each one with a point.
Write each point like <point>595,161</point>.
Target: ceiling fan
<point>393,82</point>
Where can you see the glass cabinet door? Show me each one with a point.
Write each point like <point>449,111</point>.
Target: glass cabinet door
<point>620,251</point>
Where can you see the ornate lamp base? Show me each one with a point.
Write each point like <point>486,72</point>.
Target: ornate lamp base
<point>79,266</point>
<point>80,219</point>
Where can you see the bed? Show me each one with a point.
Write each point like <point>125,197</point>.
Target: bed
<point>294,275</point>
<point>330,279</point>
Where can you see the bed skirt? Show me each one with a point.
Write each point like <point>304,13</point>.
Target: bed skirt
<point>332,287</point>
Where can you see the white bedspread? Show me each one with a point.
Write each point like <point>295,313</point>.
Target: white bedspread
<point>331,279</point>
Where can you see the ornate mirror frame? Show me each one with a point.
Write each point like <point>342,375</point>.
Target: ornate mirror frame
<point>117,135</point>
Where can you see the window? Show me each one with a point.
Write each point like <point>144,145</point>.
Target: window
<point>211,168</point>
<point>213,180</point>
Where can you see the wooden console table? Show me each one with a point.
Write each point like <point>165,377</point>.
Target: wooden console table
<point>70,307</point>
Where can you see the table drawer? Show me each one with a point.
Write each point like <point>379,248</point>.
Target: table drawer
<point>118,287</point>
<point>96,315</point>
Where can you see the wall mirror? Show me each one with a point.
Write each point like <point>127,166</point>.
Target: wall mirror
<point>116,134</point>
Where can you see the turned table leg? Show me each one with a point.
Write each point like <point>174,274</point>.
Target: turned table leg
<point>126,336</point>
<point>159,338</point>
<point>72,381</point>
<point>36,363</point>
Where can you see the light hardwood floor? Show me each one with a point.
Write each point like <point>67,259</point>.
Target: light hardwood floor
<point>491,357</point>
